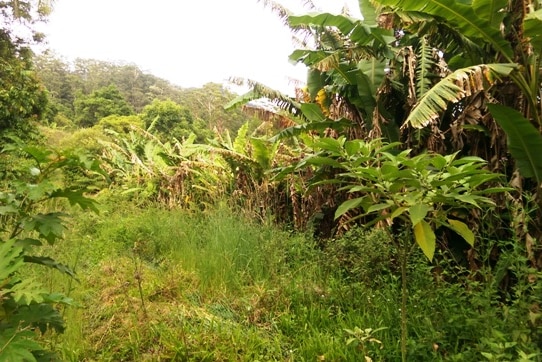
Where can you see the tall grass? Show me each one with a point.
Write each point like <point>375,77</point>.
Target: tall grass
<point>159,284</point>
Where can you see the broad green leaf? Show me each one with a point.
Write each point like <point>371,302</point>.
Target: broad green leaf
<point>262,152</point>
<point>51,263</point>
<point>308,57</point>
<point>77,197</point>
<point>301,129</point>
<point>531,27</point>
<point>10,259</point>
<point>28,242</point>
<point>331,145</point>
<point>425,237</point>
<point>418,212</point>
<point>524,140</point>
<point>492,190</point>
<point>40,154</point>
<point>312,112</point>
<point>378,207</point>
<point>480,179</point>
<point>322,161</point>
<point>343,23</point>
<point>44,316</point>
<point>37,192</point>
<point>463,230</point>
<point>50,226</point>
<point>490,10</point>
<point>16,345</point>
<point>352,147</point>
<point>366,94</point>
<point>315,82</point>
<point>58,298</point>
<point>397,212</point>
<point>467,159</point>
<point>368,12</point>
<point>375,71</point>
<point>361,189</point>
<point>461,17</point>
<point>388,170</point>
<point>348,205</point>
<point>27,291</point>
<point>467,198</point>
<point>241,100</point>
<point>439,162</point>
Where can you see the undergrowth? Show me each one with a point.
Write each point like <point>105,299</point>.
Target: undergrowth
<point>174,285</point>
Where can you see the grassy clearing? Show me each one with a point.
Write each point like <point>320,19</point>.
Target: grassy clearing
<point>158,284</point>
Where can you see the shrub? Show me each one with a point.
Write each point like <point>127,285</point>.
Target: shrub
<point>362,255</point>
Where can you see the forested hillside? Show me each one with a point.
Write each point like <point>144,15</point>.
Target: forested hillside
<point>79,91</point>
<point>390,211</point>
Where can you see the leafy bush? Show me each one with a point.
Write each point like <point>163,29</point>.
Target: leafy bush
<point>362,255</point>
<point>106,101</point>
<point>86,139</point>
<point>26,308</point>
<point>121,124</point>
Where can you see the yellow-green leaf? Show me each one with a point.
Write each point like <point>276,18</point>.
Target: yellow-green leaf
<point>425,237</point>
<point>418,212</point>
<point>463,230</point>
<point>398,211</point>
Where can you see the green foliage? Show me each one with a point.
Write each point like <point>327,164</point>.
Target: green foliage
<point>107,101</point>
<point>422,191</point>
<point>207,104</point>
<point>170,120</point>
<point>65,80</point>
<point>463,17</point>
<point>148,168</point>
<point>412,194</point>
<point>524,140</point>
<point>25,306</point>
<point>362,256</point>
<point>22,99</point>
<point>219,286</point>
<point>89,140</point>
<point>121,124</point>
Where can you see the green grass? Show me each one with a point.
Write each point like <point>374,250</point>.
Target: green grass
<point>177,285</point>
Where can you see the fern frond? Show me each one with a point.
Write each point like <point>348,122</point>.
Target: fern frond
<point>459,84</point>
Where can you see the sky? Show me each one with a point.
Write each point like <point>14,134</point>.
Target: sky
<point>187,42</point>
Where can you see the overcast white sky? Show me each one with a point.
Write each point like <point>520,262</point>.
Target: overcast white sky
<point>188,42</point>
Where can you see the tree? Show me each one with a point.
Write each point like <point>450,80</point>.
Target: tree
<point>55,75</point>
<point>207,103</point>
<point>22,99</point>
<point>169,119</point>
<point>101,103</point>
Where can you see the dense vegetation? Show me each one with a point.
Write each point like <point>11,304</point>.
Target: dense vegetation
<point>391,210</point>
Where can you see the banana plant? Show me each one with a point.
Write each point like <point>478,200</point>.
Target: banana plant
<point>481,58</point>
<point>174,173</point>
